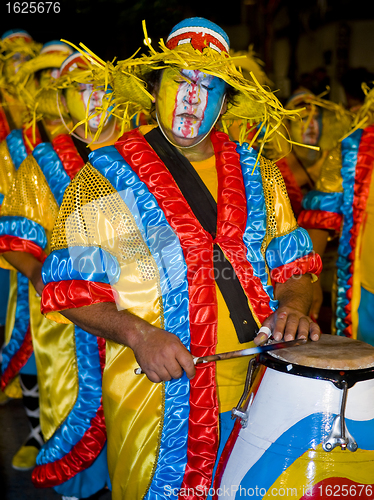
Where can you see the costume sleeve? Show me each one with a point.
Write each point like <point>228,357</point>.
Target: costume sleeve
<point>83,266</point>
<point>28,212</point>
<point>288,247</point>
<point>7,170</point>
<point>322,206</point>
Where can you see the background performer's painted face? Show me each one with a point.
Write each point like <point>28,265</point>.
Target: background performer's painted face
<point>78,99</point>
<point>188,104</point>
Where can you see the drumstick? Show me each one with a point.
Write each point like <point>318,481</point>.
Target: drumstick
<point>242,352</point>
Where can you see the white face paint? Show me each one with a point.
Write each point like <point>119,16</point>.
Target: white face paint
<point>188,105</point>
<point>92,100</point>
<point>80,99</point>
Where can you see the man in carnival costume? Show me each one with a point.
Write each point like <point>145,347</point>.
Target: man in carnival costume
<point>322,123</point>
<point>341,206</point>
<point>154,253</point>
<point>16,47</point>
<point>69,360</point>
<point>17,358</point>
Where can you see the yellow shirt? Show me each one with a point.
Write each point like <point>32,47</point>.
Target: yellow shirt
<point>230,373</point>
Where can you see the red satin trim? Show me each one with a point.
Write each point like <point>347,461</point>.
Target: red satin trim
<point>231,222</point>
<point>28,132</point>
<point>4,126</point>
<point>18,360</point>
<point>294,191</point>
<point>363,175</point>
<point>15,244</point>
<point>60,295</point>
<point>319,219</point>
<point>197,248</point>
<point>101,344</point>
<point>227,450</point>
<point>82,456</point>
<point>67,152</point>
<point>311,263</point>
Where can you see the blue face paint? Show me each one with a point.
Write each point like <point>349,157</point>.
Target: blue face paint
<point>188,105</point>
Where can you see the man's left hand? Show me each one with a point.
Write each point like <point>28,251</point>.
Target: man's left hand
<point>291,319</point>
<point>288,323</point>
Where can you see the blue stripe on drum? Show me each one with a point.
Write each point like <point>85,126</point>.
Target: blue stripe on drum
<point>308,433</point>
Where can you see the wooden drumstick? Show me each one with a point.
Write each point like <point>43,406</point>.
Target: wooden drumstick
<point>242,352</point>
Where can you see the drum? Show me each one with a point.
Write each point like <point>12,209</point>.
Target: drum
<point>308,429</point>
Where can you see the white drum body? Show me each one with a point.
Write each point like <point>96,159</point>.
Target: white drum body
<point>283,450</point>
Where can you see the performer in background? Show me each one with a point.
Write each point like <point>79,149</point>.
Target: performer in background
<point>69,361</point>
<point>16,47</point>
<point>342,206</point>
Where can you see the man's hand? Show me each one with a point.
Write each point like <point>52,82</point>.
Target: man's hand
<point>291,319</point>
<point>289,323</point>
<point>161,355</point>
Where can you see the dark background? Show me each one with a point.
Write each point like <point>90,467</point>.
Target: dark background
<point>112,28</point>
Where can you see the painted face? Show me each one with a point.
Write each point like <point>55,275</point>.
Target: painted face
<point>13,64</point>
<point>309,132</point>
<point>78,99</point>
<point>188,104</point>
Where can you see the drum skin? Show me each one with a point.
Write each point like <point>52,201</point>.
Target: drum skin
<point>279,453</point>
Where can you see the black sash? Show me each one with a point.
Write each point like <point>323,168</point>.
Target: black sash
<point>82,148</point>
<point>204,207</point>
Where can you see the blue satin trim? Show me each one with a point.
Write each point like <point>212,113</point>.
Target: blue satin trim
<point>81,263</point>
<point>289,247</point>
<point>16,147</point>
<point>87,403</point>
<point>1,198</point>
<point>350,147</point>
<point>21,227</point>
<point>328,202</point>
<point>306,434</point>
<point>89,481</point>
<point>53,169</point>
<point>21,321</point>
<point>255,230</point>
<point>165,249</point>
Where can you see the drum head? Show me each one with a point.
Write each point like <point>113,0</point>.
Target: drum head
<point>330,352</point>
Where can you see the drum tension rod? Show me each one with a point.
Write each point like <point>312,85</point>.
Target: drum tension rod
<point>339,434</point>
<point>239,411</point>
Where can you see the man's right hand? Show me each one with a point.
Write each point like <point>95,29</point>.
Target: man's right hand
<point>161,355</point>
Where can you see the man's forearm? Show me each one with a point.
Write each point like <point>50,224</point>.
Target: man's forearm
<point>319,239</point>
<point>296,292</point>
<point>106,321</point>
